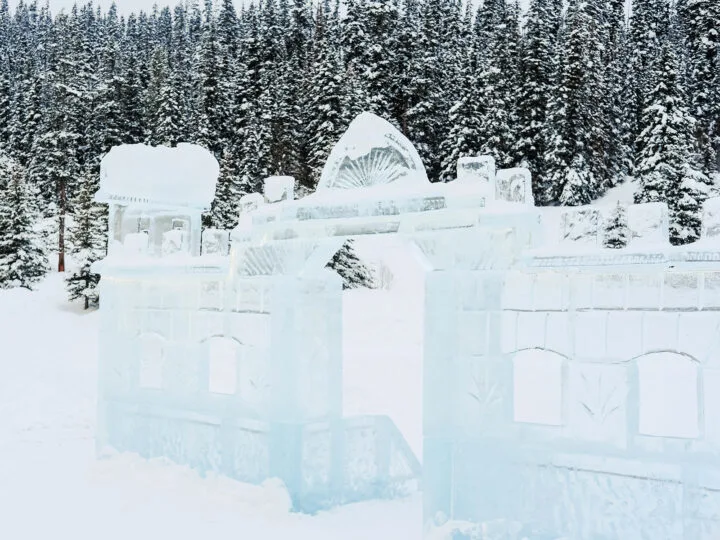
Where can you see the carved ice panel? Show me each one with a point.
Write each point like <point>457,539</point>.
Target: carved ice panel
<point>580,227</point>
<point>668,396</point>
<point>538,387</point>
<point>648,225</point>
<point>514,185</point>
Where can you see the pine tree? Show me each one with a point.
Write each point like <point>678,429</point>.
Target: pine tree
<point>326,121</point>
<point>23,262</point>
<point>616,229</point>
<point>668,161</point>
<point>701,25</point>
<point>572,156</point>
<point>540,41</point>
<point>225,208</point>
<point>350,268</point>
<point>88,237</point>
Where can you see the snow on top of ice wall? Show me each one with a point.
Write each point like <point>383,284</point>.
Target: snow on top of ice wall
<point>184,176</point>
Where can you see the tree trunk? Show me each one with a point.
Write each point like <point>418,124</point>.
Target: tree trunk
<point>62,197</point>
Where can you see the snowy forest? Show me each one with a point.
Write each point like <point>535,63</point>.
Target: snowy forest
<point>581,94</point>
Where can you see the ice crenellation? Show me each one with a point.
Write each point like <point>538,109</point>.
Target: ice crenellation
<point>569,390</point>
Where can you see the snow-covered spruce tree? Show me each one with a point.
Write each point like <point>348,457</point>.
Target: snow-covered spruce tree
<point>88,237</point>
<point>498,36</point>
<point>616,228</point>
<point>325,120</point>
<point>701,26</point>
<point>350,268</point>
<point>23,262</point>
<point>668,164</point>
<point>540,39</point>
<point>575,113</point>
<point>225,210</point>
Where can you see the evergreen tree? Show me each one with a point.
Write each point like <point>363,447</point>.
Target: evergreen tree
<point>540,42</point>
<point>573,158</point>
<point>350,268</point>
<point>668,161</point>
<point>616,229</point>
<point>325,121</point>
<point>23,262</point>
<point>88,237</point>
<point>701,25</point>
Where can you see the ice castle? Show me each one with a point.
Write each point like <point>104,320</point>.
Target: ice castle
<point>569,390</point>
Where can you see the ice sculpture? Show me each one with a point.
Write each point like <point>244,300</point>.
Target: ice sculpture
<point>215,242</point>
<point>157,191</point>
<point>514,185</point>
<point>232,364</point>
<point>648,225</point>
<point>279,188</point>
<point>477,169</point>
<point>711,219</point>
<point>372,152</point>
<point>569,391</point>
<point>581,226</point>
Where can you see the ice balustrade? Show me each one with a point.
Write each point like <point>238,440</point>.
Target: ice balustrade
<point>548,359</point>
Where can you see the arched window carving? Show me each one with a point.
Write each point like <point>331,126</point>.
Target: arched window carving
<point>668,395</point>
<point>223,365</point>
<point>152,360</point>
<point>538,387</point>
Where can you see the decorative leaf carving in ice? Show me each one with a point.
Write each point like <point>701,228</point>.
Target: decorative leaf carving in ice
<point>600,399</point>
<point>370,153</point>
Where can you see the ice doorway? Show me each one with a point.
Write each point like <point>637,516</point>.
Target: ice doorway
<point>383,331</point>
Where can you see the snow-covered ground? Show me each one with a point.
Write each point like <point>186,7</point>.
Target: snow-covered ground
<point>51,485</point>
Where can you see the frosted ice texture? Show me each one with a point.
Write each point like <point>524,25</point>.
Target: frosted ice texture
<point>514,185</point>
<point>279,188</point>
<point>370,153</point>
<point>478,170</point>
<point>711,219</point>
<point>648,225</point>
<point>215,242</point>
<point>581,227</point>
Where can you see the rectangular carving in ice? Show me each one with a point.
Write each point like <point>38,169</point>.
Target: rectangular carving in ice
<point>711,219</point>
<point>648,225</point>
<point>279,188</point>
<point>174,241</point>
<point>479,169</point>
<point>668,396</point>
<point>538,387</point>
<point>580,227</point>
<point>215,242</point>
<point>222,365</point>
<point>681,290</point>
<point>514,185</point>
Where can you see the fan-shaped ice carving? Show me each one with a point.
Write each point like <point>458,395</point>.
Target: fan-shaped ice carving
<point>370,153</point>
